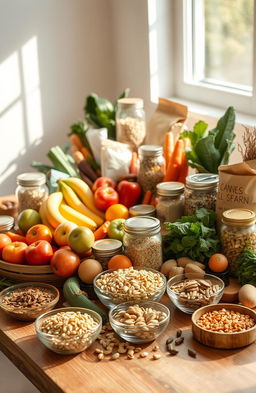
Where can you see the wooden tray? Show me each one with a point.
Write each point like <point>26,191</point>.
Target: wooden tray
<point>28,273</point>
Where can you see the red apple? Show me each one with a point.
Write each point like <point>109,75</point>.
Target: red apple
<point>39,253</point>
<point>103,182</point>
<point>62,232</point>
<point>64,263</point>
<point>105,197</point>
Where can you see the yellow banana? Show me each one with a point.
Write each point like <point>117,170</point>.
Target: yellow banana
<point>84,192</point>
<point>72,215</point>
<point>42,212</point>
<point>73,201</point>
<point>52,209</point>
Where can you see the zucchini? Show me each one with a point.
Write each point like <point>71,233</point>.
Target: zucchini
<point>77,298</point>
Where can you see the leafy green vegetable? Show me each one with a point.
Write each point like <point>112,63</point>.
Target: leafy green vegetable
<point>62,161</point>
<point>210,149</point>
<point>245,268</point>
<point>192,236</point>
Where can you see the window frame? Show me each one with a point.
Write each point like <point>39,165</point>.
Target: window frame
<point>205,92</point>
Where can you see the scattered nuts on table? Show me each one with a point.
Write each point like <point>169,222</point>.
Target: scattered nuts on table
<point>179,341</point>
<point>156,356</point>
<point>191,353</point>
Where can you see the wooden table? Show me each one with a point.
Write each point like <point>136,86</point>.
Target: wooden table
<point>221,371</point>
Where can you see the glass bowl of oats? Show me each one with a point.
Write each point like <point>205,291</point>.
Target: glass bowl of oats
<point>26,301</point>
<point>129,285</point>
<point>190,291</point>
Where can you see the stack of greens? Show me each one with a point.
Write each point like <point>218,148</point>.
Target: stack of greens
<point>246,267</point>
<point>192,236</point>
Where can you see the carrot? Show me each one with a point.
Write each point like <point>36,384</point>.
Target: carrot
<point>147,198</point>
<point>184,164</point>
<point>102,231</point>
<point>76,154</point>
<point>85,152</point>
<point>173,168</point>
<point>75,140</point>
<point>134,164</point>
<point>15,237</point>
<point>168,147</point>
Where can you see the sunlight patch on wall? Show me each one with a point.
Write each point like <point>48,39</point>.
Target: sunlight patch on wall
<point>153,50</point>
<point>10,87</point>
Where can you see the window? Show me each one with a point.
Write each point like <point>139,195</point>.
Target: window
<point>216,54</point>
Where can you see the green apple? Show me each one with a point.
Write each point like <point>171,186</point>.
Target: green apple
<point>116,229</point>
<point>81,239</point>
<point>27,219</point>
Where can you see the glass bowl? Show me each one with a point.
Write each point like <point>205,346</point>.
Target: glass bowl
<point>195,299</point>
<point>111,299</point>
<point>139,334</point>
<point>68,345</point>
<point>28,313</point>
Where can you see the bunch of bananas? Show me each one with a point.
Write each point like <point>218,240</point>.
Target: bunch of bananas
<point>72,202</point>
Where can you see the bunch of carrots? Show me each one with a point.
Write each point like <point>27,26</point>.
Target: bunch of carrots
<point>175,158</point>
<point>78,150</point>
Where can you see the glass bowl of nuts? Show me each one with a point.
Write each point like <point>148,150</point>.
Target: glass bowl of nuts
<point>129,285</point>
<point>68,330</point>
<point>26,301</point>
<point>190,291</point>
<point>139,323</point>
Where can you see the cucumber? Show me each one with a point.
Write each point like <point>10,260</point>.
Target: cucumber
<point>76,298</point>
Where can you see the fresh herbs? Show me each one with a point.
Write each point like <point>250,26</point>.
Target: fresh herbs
<point>248,150</point>
<point>245,269</point>
<point>192,236</point>
<point>209,149</point>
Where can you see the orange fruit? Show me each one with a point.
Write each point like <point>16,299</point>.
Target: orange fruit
<point>119,262</point>
<point>218,263</point>
<point>116,211</point>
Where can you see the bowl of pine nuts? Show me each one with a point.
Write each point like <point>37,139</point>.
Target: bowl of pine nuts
<point>68,330</point>
<point>129,285</point>
<point>139,323</point>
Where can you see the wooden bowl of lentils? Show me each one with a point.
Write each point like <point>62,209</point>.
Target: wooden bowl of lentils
<point>27,301</point>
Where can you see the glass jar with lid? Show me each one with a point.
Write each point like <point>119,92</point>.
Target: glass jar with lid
<point>142,210</point>
<point>6,223</point>
<point>31,191</point>
<point>130,122</point>
<point>200,191</point>
<point>169,201</point>
<point>152,166</point>
<point>142,241</point>
<point>238,231</point>
<point>104,249</point>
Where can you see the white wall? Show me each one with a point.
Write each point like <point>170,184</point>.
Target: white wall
<point>52,54</point>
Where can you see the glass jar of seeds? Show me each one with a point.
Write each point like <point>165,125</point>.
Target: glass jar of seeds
<point>152,167</point>
<point>238,231</point>
<point>142,210</point>
<point>169,201</point>
<point>200,191</point>
<point>103,250</point>
<point>31,190</point>
<point>142,241</point>
<point>130,122</point>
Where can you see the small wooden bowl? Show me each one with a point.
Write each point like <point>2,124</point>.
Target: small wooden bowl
<point>223,340</point>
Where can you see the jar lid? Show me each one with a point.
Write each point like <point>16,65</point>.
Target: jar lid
<point>169,188</point>
<point>107,246</point>
<point>150,150</point>
<point>202,181</point>
<point>6,223</point>
<point>142,225</point>
<point>128,102</point>
<point>142,210</point>
<point>31,179</point>
<point>238,216</point>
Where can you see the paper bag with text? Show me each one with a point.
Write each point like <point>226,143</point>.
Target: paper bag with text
<point>237,187</point>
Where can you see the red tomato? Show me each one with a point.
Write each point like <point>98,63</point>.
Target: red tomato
<point>103,182</point>
<point>129,193</point>
<point>64,263</point>
<point>105,197</point>
<point>4,241</point>
<point>38,232</point>
<point>39,253</point>
<point>14,252</point>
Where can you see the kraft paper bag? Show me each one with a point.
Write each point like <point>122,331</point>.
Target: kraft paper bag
<point>237,187</point>
<point>166,115</point>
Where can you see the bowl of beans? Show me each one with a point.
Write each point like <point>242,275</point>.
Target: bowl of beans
<point>129,285</point>
<point>224,325</point>
<point>68,330</point>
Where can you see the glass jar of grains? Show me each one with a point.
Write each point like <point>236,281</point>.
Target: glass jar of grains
<point>130,122</point>
<point>142,210</point>
<point>238,231</point>
<point>152,166</point>
<point>200,191</point>
<point>6,223</point>
<point>103,250</point>
<point>31,190</point>
<point>142,241</point>
<point>169,201</point>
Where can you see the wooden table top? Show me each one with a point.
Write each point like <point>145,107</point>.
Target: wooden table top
<point>222,371</point>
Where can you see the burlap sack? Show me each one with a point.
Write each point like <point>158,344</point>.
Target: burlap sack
<point>237,187</point>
